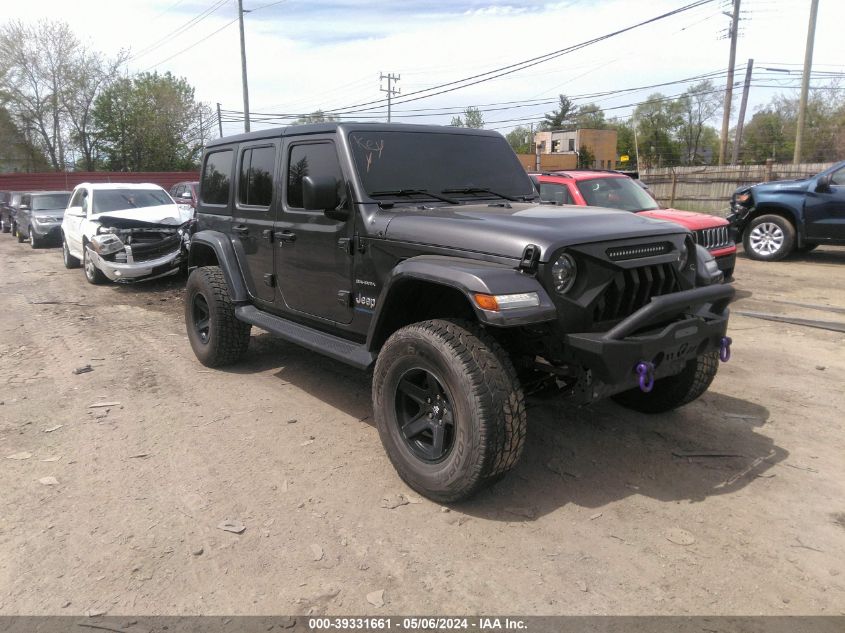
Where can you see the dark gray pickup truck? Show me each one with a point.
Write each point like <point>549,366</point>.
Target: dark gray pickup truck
<point>423,254</point>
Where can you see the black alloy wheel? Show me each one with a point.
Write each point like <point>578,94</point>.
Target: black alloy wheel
<point>425,415</point>
<point>201,317</point>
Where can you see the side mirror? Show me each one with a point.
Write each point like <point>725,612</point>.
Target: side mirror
<point>320,194</point>
<point>823,183</point>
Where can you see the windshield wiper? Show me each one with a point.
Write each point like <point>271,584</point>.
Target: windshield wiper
<point>485,190</point>
<point>413,192</point>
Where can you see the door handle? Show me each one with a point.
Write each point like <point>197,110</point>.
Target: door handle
<point>286,236</point>
<point>241,229</point>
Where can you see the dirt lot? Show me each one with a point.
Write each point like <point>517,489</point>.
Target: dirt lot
<point>605,514</point>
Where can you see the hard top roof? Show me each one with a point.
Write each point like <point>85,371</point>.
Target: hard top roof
<point>341,127</point>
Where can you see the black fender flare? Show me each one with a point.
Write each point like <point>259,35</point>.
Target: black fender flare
<point>469,277</point>
<point>226,259</point>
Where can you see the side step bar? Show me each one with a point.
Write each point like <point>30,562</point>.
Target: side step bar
<point>326,344</point>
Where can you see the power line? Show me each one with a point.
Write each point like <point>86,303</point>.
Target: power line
<point>187,48</point>
<point>522,65</point>
<point>179,30</point>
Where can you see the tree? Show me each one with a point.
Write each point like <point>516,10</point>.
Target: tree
<point>658,120</point>
<point>625,141</point>
<point>49,82</point>
<point>586,158</point>
<point>318,116</point>
<point>150,122</point>
<point>520,139</point>
<point>562,117</point>
<point>472,119</point>
<point>589,116</point>
<point>697,106</point>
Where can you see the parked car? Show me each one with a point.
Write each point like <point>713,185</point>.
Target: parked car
<point>617,191</point>
<point>774,219</point>
<point>9,210</point>
<point>422,252</point>
<point>123,232</point>
<point>185,194</point>
<point>39,217</point>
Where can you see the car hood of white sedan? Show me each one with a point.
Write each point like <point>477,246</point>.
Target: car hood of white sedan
<point>166,214</point>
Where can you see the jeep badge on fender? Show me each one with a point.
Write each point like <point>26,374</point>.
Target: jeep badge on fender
<point>468,294</point>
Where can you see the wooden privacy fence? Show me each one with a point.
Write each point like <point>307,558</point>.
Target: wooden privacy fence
<point>67,180</point>
<point>709,188</point>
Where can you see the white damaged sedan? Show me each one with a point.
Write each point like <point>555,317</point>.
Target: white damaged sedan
<point>124,232</point>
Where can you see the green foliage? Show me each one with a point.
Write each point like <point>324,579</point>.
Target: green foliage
<point>697,107</point>
<point>472,118</point>
<point>150,122</point>
<point>771,131</point>
<point>521,139</point>
<point>561,117</point>
<point>586,158</point>
<point>589,116</point>
<point>318,116</point>
<point>625,142</point>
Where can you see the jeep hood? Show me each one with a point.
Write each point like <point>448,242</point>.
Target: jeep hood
<point>503,231</point>
<point>688,219</point>
<point>163,215</point>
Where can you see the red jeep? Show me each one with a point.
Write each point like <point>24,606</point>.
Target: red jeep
<point>618,191</point>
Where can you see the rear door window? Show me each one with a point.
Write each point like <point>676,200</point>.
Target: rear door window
<point>216,177</point>
<point>255,185</point>
<point>312,159</point>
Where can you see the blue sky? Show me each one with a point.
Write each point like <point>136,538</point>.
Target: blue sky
<point>304,55</point>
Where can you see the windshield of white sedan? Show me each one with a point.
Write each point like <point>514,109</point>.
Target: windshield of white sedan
<point>122,199</point>
<point>616,193</point>
<point>451,168</point>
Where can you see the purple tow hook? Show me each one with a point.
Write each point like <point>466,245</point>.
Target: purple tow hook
<point>725,349</point>
<point>645,371</point>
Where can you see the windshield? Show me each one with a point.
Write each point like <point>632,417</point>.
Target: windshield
<point>121,199</point>
<point>50,202</point>
<point>463,166</point>
<point>616,193</point>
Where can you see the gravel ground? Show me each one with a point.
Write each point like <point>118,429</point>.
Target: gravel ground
<point>732,505</point>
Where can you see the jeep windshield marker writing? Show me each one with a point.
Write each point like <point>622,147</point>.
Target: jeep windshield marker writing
<point>422,253</point>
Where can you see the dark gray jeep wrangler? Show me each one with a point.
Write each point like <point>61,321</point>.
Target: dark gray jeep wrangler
<point>422,253</point>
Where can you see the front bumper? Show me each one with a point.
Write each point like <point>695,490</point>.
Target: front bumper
<point>726,263</point>
<point>168,264</point>
<point>667,332</point>
<point>42,231</point>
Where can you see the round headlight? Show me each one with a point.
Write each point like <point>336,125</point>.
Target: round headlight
<point>564,271</point>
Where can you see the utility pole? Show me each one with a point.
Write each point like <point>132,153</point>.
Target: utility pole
<point>741,122</point>
<point>243,64</point>
<point>219,121</point>
<point>805,83</point>
<point>391,91</point>
<point>729,88</point>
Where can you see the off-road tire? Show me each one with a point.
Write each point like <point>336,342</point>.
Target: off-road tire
<point>5,226</point>
<point>779,223</point>
<point>486,400</point>
<point>93,275</point>
<point>674,391</point>
<point>20,236</point>
<point>69,260</point>
<point>227,338</point>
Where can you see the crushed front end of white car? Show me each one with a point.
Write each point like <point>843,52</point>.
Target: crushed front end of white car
<point>129,247</point>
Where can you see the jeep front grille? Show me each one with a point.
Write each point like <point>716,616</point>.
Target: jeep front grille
<point>713,238</point>
<point>631,289</point>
